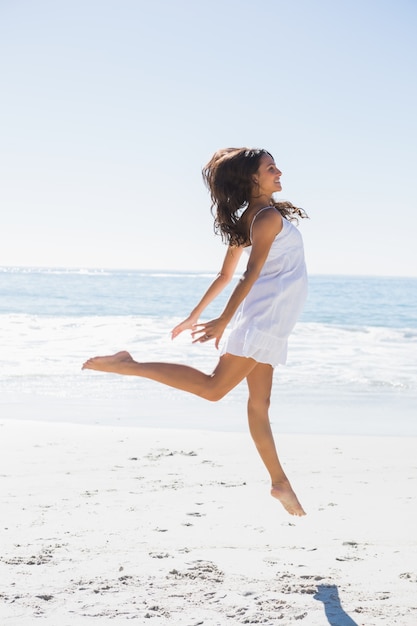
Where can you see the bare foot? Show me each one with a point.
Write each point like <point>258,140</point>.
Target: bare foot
<point>284,493</point>
<point>116,363</point>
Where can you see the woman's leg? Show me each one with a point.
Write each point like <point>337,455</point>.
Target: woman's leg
<point>229,372</point>
<point>259,382</point>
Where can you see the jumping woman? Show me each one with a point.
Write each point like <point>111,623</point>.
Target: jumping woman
<point>263,307</point>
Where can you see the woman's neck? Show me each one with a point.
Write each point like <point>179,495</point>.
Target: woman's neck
<point>259,202</point>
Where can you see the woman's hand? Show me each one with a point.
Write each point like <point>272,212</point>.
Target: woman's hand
<point>187,324</point>
<point>205,331</point>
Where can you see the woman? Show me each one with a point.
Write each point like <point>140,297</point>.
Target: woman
<point>265,304</point>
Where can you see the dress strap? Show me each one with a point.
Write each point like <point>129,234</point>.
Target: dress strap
<point>254,218</point>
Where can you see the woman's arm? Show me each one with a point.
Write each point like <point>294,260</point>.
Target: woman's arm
<point>265,229</point>
<point>222,279</point>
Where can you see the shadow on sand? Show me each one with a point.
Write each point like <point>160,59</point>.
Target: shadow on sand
<point>336,616</point>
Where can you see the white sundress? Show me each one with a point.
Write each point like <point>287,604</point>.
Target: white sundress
<point>264,320</point>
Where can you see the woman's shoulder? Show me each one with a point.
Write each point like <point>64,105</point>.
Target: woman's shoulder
<point>267,213</point>
<point>268,217</point>
<point>250,216</point>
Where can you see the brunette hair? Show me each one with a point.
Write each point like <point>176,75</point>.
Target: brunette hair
<point>228,177</point>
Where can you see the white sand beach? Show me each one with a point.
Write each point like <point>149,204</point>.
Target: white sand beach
<point>104,524</point>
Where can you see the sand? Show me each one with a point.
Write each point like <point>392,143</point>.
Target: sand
<point>104,525</point>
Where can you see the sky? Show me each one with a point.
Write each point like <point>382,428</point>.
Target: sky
<point>110,108</point>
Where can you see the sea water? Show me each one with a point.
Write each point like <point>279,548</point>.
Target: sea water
<point>352,361</point>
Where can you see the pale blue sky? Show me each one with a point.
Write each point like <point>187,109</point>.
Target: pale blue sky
<point>109,109</point>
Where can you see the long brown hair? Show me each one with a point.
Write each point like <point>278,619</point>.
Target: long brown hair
<point>228,177</point>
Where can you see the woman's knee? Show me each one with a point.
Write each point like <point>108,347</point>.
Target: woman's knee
<point>259,403</point>
<point>213,390</point>
<point>212,394</point>
<point>230,371</point>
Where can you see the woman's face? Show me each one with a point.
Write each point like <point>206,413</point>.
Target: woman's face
<point>267,178</point>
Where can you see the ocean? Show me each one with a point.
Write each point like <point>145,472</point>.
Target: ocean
<point>352,362</point>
